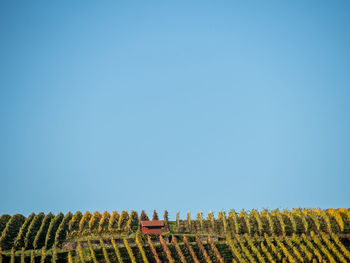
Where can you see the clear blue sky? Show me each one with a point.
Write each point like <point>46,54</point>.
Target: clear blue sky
<point>178,105</point>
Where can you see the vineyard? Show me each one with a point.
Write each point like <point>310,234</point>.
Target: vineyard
<point>297,235</point>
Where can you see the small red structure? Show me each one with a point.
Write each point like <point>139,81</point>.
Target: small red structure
<point>152,227</point>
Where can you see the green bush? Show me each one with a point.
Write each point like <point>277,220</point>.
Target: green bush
<point>84,222</point>
<point>32,230</point>
<point>94,221</point>
<point>39,240</point>
<point>74,222</point>
<point>51,232</point>
<point>63,228</point>
<point>19,241</point>
<point>11,231</point>
<point>3,221</point>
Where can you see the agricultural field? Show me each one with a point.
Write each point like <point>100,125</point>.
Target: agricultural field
<point>297,235</point>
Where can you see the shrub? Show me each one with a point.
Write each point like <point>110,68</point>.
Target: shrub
<point>80,253</point>
<point>63,228</point>
<point>39,240</point>
<point>70,259</point>
<point>92,252</point>
<point>113,221</point>
<point>232,217</point>
<point>189,222</point>
<point>11,231</point>
<point>178,250</point>
<point>154,251</point>
<point>133,222</point>
<point>144,216</point>
<point>94,221</point>
<point>166,219</point>
<point>123,220</point>
<point>19,241</point>
<point>54,254</point>
<point>43,255</point>
<point>32,257</point>
<point>117,252</point>
<point>200,220</point>
<point>155,215</point>
<point>84,222</point>
<point>3,221</point>
<point>22,255</point>
<point>166,250</point>
<point>103,224</point>
<point>12,260</point>
<point>128,248</point>
<point>215,250</point>
<point>139,245</point>
<point>189,247</point>
<point>51,232</point>
<point>210,219</point>
<point>202,249</point>
<point>74,222</point>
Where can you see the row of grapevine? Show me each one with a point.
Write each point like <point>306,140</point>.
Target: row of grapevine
<point>37,231</point>
<point>317,248</point>
<point>239,248</point>
<point>276,222</point>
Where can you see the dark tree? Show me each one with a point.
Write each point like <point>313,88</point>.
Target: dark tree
<point>144,216</point>
<point>155,215</point>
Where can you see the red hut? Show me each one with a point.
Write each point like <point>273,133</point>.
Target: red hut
<point>152,227</point>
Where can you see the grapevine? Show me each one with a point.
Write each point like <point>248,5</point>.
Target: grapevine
<point>154,252</point>
<point>128,248</point>
<point>189,247</point>
<point>178,250</point>
<point>116,251</point>
<point>216,251</point>
<point>202,249</point>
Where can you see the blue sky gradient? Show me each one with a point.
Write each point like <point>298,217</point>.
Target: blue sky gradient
<point>178,105</point>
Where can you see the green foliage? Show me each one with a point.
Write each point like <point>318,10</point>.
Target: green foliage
<point>133,222</point>
<point>123,220</point>
<point>113,221</point>
<point>155,215</point>
<point>95,221</point>
<point>74,222</point>
<point>80,253</point>
<point>70,258</point>
<point>39,240</point>
<point>140,246</point>
<point>11,231</point>
<point>63,228</point>
<point>117,252</point>
<point>12,255</point>
<point>3,221</point>
<point>0,255</point>
<point>84,222</point>
<point>128,248</point>
<point>22,255</point>
<point>200,220</point>
<point>189,223</point>
<point>32,257</point>
<point>43,255</point>
<point>144,216</point>
<point>103,224</point>
<point>51,232</point>
<point>19,241</point>
<point>54,254</point>
<point>210,219</point>
<point>105,254</point>
<point>92,252</point>
<point>32,230</point>
<point>178,221</point>
<point>166,219</point>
